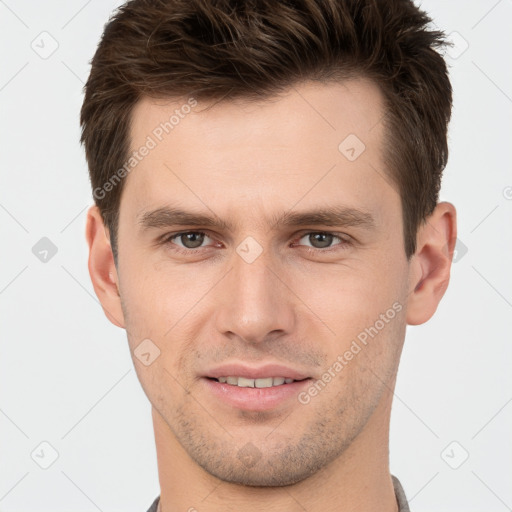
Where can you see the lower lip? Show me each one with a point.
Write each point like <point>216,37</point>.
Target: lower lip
<point>254,399</point>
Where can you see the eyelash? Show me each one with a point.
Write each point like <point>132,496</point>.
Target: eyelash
<point>168,241</point>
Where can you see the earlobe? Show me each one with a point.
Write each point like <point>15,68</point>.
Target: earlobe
<point>430,265</point>
<point>102,268</point>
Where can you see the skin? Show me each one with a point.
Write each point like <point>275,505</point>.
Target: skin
<point>251,162</point>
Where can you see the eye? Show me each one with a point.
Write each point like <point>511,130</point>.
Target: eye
<point>323,240</point>
<point>187,239</point>
<point>189,242</point>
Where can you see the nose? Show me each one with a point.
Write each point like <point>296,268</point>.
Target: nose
<point>255,303</point>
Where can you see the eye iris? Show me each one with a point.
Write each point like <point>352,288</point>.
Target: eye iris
<point>192,240</point>
<point>324,239</point>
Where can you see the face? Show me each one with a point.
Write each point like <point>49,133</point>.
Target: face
<point>260,242</point>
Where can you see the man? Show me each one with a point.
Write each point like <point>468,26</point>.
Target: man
<point>266,178</point>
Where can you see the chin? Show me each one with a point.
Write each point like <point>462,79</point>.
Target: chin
<point>262,477</point>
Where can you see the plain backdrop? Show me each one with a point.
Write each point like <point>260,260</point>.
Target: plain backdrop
<point>69,396</point>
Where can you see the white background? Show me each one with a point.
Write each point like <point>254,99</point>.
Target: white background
<point>66,376</point>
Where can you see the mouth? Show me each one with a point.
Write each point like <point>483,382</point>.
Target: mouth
<point>266,382</point>
<point>263,388</point>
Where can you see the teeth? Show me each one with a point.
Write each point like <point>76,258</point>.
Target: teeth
<point>245,383</point>
<point>267,382</point>
<point>263,383</point>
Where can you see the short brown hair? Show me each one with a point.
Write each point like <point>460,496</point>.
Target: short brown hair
<point>218,49</point>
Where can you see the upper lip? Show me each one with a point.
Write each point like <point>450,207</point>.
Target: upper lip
<point>255,372</point>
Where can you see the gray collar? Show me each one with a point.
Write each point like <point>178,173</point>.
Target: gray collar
<point>403,506</point>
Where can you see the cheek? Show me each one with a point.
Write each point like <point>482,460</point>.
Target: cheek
<point>167,305</point>
<point>159,296</point>
<point>349,298</point>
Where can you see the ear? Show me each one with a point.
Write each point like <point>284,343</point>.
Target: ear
<point>430,265</point>
<point>102,268</point>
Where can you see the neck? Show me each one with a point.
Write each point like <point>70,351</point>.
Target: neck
<point>357,480</point>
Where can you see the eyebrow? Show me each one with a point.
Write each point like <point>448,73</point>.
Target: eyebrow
<point>326,216</point>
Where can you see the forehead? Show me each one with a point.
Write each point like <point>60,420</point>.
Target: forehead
<point>315,142</point>
<point>326,107</point>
